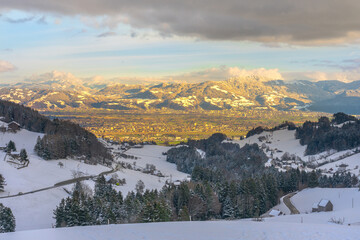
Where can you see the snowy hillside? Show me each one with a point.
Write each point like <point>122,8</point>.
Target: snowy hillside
<point>224,230</point>
<point>285,151</point>
<point>34,210</point>
<point>346,202</point>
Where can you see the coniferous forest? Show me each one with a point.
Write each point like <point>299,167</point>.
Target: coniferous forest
<point>63,138</point>
<point>325,134</point>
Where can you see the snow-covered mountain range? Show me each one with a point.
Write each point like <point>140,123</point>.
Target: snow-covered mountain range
<point>63,91</point>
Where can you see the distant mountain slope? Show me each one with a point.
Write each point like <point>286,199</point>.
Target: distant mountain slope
<point>61,92</point>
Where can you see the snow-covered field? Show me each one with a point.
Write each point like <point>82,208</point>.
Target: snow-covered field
<point>283,140</point>
<point>152,154</point>
<point>35,210</point>
<point>215,230</point>
<point>275,144</point>
<point>346,206</point>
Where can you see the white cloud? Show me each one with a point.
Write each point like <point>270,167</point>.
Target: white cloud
<point>224,72</point>
<point>6,66</point>
<point>106,34</point>
<point>344,76</point>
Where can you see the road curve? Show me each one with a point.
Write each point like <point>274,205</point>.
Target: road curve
<point>289,204</point>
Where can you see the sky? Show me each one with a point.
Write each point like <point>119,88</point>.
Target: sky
<point>170,40</point>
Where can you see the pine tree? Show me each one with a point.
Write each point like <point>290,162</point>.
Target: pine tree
<point>7,219</point>
<point>23,155</point>
<point>59,215</point>
<point>2,183</point>
<point>228,209</point>
<point>140,186</point>
<point>313,180</point>
<point>184,214</point>
<point>10,146</point>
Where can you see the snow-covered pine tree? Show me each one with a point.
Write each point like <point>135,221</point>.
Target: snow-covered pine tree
<point>23,155</point>
<point>59,214</point>
<point>10,146</point>
<point>7,219</point>
<point>228,209</point>
<point>2,183</point>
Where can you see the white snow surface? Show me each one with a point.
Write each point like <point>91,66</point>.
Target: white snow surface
<point>210,230</point>
<point>283,140</point>
<point>152,154</point>
<point>35,211</point>
<point>346,206</point>
<point>341,198</point>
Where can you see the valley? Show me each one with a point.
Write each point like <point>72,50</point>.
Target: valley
<point>172,127</point>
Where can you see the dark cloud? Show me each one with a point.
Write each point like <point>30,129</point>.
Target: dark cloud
<point>284,21</point>
<point>42,20</point>
<point>19,20</point>
<point>106,34</point>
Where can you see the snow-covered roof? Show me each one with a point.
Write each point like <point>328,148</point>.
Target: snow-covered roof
<point>14,123</point>
<point>274,212</point>
<point>315,205</point>
<point>323,202</point>
<point>177,183</point>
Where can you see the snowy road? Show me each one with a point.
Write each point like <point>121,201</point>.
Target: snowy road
<point>61,184</point>
<point>289,204</point>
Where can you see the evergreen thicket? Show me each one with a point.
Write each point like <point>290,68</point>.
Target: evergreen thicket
<point>228,158</point>
<point>208,196</point>
<point>63,138</point>
<point>325,135</point>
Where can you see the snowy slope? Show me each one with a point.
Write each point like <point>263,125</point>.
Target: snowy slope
<point>40,173</point>
<point>224,230</point>
<point>283,140</point>
<point>346,202</point>
<point>276,143</point>
<point>152,154</point>
<point>341,198</point>
<point>353,163</point>
<point>35,210</point>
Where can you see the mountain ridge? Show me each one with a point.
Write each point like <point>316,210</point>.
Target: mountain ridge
<point>58,91</point>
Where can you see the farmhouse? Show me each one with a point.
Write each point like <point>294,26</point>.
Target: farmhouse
<point>323,206</point>
<point>342,167</point>
<point>13,126</point>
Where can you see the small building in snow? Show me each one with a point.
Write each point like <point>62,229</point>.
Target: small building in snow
<point>274,213</point>
<point>14,126</point>
<point>323,206</point>
<point>342,167</point>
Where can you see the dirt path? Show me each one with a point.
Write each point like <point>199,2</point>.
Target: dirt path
<point>289,204</point>
<point>62,183</point>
